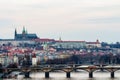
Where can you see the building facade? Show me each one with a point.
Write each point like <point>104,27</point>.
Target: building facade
<point>70,44</point>
<point>93,44</point>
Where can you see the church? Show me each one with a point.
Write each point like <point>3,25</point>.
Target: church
<point>24,35</point>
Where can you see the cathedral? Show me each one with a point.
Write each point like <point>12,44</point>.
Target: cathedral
<point>24,35</point>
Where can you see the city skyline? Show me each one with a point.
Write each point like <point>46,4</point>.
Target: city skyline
<point>71,20</point>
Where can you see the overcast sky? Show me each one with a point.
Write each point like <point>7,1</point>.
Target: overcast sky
<point>69,19</point>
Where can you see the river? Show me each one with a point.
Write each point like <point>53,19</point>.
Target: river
<point>81,75</point>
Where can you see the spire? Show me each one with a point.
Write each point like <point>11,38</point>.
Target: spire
<point>59,38</point>
<point>15,31</point>
<point>97,41</point>
<point>23,32</point>
<point>15,34</point>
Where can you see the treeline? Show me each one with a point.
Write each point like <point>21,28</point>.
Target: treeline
<point>88,59</point>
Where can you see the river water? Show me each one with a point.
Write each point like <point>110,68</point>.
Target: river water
<point>81,75</point>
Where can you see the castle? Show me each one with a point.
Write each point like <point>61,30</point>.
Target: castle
<point>32,38</point>
<point>24,35</point>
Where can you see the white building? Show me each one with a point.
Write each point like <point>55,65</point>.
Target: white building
<point>2,60</point>
<point>93,44</point>
<point>70,44</point>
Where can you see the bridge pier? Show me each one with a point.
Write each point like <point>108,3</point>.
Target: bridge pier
<point>101,67</point>
<point>68,74</point>
<point>47,71</point>
<point>74,67</point>
<point>112,74</point>
<point>46,74</point>
<point>68,71</point>
<point>112,71</point>
<point>90,74</point>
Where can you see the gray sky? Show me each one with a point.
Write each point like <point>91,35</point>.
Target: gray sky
<point>69,19</point>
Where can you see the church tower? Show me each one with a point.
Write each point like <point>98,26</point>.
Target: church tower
<point>24,35</point>
<point>23,32</point>
<point>15,34</point>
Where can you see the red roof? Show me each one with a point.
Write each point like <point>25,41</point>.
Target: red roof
<point>97,42</point>
<point>44,40</point>
<point>93,42</point>
<point>68,41</point>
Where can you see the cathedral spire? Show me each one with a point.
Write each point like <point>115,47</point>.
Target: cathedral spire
<point>15,34</point>
<point>15,31</point>
<point>23,32</point>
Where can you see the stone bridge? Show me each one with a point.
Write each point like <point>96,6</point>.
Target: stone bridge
<point>68,68</point>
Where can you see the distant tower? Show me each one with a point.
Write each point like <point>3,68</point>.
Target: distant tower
<point>23,32</point>
<point>97,41</point>
<point>59,38</point>
<point>15,34</point>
